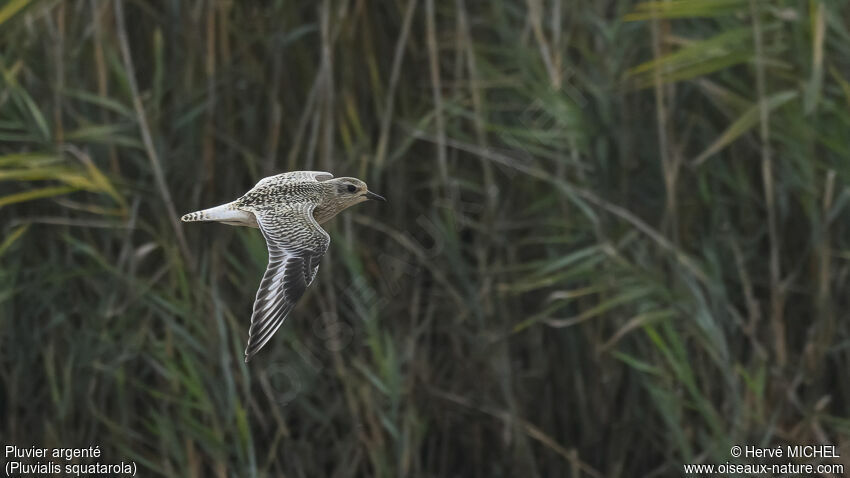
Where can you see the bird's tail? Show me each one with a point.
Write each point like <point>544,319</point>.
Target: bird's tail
<point>223,213</point>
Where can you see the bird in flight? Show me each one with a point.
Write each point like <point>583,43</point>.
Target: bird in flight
<point>288,209</point>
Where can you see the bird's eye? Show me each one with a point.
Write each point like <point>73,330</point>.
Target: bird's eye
<point>352,188</point>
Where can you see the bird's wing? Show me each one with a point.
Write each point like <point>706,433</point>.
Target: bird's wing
<point>296,244</point>
<point>317,176</point>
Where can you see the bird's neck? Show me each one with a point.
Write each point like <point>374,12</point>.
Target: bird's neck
<point>324,212</point>
<point>328,207</point>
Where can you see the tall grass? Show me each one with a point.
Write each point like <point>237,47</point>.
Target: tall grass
<point>616,238</point>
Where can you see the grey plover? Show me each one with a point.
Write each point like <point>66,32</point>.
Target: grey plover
<point>287,209</point>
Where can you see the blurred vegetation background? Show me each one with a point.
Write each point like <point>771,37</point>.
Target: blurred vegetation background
<point>616,238</point>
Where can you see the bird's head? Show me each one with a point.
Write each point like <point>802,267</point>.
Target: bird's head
<point>351,191</point>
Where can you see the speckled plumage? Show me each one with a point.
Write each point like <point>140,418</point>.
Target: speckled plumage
<point>287,208</point>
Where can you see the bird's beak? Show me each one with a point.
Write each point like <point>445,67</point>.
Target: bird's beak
<point>376,197</point>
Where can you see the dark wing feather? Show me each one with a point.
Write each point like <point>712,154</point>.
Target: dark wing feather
<point>296,245</point>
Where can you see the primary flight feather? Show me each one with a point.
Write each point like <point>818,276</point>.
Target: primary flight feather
<point>288,209</point>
